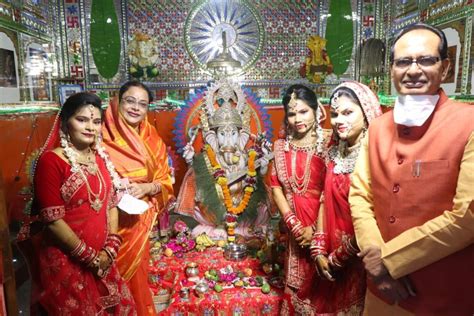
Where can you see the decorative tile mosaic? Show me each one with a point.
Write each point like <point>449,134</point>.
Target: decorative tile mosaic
<point>287,25</point>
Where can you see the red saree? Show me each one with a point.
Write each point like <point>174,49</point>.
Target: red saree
<point>65,286</point>
<point>299,267</point>
<point>142,158</point>
<point>345,296</point>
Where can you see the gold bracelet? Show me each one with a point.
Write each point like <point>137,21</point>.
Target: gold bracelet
<point>154,189</point>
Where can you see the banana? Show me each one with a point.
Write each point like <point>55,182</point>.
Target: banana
<point>204,240</point>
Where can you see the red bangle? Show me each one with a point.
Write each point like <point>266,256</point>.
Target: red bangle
<point>84,253</point>
<point>293,223</point>
<point>343,253</point>
<point>319,244</point>
<point>112,245</point>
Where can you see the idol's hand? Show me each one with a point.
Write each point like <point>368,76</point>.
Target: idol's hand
<point>188,153</point>
<point>323,268</point>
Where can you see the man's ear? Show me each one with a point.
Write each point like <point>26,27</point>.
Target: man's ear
<point>446,64</point>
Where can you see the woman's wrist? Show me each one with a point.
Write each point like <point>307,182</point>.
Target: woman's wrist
<point>112,246</point>
<point>155,188</point>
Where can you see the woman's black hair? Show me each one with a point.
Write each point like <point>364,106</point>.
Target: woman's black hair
<point>348,93</point>
<point>134,83</point>
<point>302,93</point>
<point>76,102</point>
<point>344,91</point>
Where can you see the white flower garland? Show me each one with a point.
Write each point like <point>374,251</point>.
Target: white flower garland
<point>108,163</point>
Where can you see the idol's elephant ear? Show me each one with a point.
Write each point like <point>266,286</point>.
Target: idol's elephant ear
<point>243,138</point>
<point>211,138</point>
<point>105,37</point>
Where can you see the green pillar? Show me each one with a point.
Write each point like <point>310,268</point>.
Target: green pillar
<point>105,37</point>
<point>340,35</point>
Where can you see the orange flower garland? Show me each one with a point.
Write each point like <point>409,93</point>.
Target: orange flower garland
<point>221,179</point>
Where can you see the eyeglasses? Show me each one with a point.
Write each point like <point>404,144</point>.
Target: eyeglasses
<point>423,62</point>
<point>131,101</point>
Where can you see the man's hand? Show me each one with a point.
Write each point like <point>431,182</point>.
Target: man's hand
<point>372,258</point>
<point>393,290</point>
<point>306,236</point>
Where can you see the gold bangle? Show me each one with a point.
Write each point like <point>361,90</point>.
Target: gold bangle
<point>154,188</point>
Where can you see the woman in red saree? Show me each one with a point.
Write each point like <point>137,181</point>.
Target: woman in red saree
<point>74,266</point>
<point>341,290</point>
<point>297,182</point>
<point>139,155</point>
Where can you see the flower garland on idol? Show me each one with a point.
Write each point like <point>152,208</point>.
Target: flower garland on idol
<point>249,187</point>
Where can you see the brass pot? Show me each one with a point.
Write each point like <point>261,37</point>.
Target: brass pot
<point>201,288</point>
<point>192,270</point>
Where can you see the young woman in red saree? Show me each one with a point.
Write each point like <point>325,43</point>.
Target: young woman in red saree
<point>139,154</point>
<point>74,195</point>
<point>297,182</point>
<point>341,288</point>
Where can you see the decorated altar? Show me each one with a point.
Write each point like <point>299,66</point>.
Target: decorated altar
<point>198,276</point>
<point>235,299</point>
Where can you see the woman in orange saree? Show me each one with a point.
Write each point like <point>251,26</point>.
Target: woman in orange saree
<point>139,154</point>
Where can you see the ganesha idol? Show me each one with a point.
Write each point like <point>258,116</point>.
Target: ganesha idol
<point>223,189</point>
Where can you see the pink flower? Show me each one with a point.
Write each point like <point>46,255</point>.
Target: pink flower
<point>180,226</point>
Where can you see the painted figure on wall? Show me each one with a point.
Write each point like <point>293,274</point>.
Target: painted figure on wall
<point>143,54</point>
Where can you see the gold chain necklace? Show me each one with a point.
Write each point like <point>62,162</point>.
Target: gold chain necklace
<point>96,203</point>
<point>88,161</point>
<point>299,185</point>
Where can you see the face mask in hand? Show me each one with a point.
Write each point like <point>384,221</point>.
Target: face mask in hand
<point>414,110</point>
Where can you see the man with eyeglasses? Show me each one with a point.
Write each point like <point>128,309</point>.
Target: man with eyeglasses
<point>412,189</point>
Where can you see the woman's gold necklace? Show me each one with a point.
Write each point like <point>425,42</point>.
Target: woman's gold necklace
<point>88,161</point>
<point>94,198</point>
<point>299,185</point>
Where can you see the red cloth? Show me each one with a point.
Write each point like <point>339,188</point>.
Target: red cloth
<point>299,267</point>
<point>169,272</point>
<point>347,293</point>
<point>67,287</point>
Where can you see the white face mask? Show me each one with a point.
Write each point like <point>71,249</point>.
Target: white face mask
<point>414,110</point>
